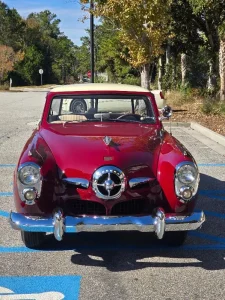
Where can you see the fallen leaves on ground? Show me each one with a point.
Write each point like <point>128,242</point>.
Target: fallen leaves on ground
<point>191,112</point>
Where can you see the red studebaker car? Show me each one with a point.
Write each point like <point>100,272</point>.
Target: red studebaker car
<point>110,167</point>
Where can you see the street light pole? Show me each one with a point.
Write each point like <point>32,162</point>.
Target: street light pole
<point>92,42</point>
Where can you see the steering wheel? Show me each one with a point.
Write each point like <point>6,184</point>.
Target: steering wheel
<point>130,117</point>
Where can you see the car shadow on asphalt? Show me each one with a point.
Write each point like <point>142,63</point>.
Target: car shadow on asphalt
<point>131,250</point>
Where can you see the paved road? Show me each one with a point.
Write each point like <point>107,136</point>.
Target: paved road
<point>114,265</point>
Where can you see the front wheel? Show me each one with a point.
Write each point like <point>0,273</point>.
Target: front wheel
<point>33,239</point>
<point>175,238</point>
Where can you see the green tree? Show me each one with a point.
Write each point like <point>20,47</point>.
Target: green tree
<point>28,68</point>
<point>209,16</point>
<point>11,27</point>
<point>143,27</point>
<point>183,43</point>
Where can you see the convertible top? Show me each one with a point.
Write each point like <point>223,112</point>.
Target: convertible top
<point>99,87</point>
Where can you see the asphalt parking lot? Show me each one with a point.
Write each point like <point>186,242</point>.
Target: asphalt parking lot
<point>116,265</point>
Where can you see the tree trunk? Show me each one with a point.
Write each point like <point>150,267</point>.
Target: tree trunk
<point>168,56</point>
<point>145,78</point>
<point>212,75</point>
<point>160,73</point>
<point>174,71</point>
<point>184,68</point>
<point>222,69</point>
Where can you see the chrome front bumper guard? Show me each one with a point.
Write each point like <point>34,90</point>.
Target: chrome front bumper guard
<point>158,223</point>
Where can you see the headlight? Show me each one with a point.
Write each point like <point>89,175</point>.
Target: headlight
<point>29,174</point>
<point>186,181</point>
<point>187,173</point>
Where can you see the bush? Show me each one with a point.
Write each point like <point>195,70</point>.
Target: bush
<point>182,96</point>
<point>4,87</point>
<point>129,79</point>
<point>213,107</point>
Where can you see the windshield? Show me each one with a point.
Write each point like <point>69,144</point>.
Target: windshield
<point>101,108</point>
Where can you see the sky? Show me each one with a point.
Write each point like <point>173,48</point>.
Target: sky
<point>68,11</point>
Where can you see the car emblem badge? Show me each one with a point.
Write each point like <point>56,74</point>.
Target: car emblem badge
<point>108,182</point>
<point>107,140</point>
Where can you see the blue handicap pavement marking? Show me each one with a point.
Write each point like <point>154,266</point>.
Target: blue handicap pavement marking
<point>6,194</point>
<point>7,166</point>
<point>212,165</point>
<point>4,214</point>
<point>40,287</point>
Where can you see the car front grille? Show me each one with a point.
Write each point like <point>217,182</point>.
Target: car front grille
<point>84,207</point>
<point>131,207</point>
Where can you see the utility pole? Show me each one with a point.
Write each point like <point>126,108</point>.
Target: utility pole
<point>92,42</point>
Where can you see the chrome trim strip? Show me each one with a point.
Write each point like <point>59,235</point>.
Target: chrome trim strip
<point>79,182</point>
<point>157,223</point>
<point>134,182</point>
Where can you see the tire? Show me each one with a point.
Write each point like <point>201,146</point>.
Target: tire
<point>78,106</point>
<point>33,239</point>
<point>175,238</point>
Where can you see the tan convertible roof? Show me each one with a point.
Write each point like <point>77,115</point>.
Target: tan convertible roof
<point>99,87</point>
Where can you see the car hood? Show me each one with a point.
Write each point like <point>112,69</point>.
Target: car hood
<point>80,149</point>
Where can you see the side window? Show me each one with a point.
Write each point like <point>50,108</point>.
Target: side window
<point>55,107</point>
<point>140,107</point>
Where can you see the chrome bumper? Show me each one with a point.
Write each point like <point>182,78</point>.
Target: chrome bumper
<point>158,223</point>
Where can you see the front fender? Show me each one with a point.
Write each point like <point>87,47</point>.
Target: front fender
<point>171,154</point>
<point>37,151</point>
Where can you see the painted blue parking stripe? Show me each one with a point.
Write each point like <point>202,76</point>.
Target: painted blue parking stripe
<point>16,249</point>
<point>7,166</point>
<point>41,287</point>
<point>6,194</point>
<point>212,195</point>
<point>206,236</point>
<point>102,247</point>
<point>211,165</point>
<point>218,192</point>
<point>214,214</point>
<point>4,214</point>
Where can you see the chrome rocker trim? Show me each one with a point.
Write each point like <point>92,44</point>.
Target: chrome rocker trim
<point>158,223</point>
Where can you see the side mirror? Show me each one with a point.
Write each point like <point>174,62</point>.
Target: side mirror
<point>166,112</point>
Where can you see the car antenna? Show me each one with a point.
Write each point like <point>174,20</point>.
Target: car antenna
<point>170,127</point>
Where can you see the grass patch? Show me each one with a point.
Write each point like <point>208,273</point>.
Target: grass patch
<point>4,87</point>
<point>182,97</point>
<point>211,107</point>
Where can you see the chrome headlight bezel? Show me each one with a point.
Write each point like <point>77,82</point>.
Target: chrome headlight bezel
<point>35,185</point>
<point>37,176</point>
<point>192,181</point>
<point>188,169</point>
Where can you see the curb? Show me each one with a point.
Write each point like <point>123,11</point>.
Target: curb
<point>220,139</point>
<point>30,89</point>
<point>176,124</point>
<point>216,137</point>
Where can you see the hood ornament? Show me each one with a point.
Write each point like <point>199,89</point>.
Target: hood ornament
<point>107,140</point>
